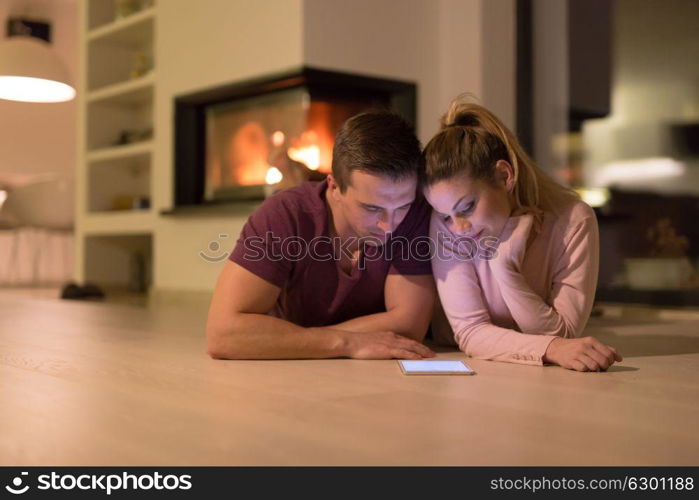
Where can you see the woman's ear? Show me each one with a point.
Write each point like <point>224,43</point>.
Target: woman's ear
<point>505,175</point>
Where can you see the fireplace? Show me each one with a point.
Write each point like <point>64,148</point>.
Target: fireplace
<point>246,140</point>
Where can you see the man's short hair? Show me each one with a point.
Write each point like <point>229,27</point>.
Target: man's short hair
<point>378,142</point>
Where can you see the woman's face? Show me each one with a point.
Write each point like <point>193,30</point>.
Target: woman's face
<point>469,208</point>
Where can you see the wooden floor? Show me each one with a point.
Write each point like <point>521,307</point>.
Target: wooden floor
<point>96,384</point>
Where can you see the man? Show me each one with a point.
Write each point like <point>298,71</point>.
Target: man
<point>315,272</point>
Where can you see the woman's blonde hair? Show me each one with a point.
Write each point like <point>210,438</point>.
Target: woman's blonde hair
<point>472,140</point>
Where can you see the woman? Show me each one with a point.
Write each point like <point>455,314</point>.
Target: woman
<point>525,292</point>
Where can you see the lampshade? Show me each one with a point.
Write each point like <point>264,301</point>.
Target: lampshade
<point>31,71</point>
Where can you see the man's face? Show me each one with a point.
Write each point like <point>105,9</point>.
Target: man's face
<point>374,205</point>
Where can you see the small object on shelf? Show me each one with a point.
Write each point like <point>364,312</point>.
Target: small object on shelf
<point>140,203</point>
<point>122,203</point>
<point>141,65</point>
<point>130,202</point>
<point>132,136</point>
<point>125,8</point>
<point>124,138</point>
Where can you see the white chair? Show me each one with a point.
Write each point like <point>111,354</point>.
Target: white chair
<point>48,204</point>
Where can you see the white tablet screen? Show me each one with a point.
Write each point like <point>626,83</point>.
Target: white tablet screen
<point>434,366</point>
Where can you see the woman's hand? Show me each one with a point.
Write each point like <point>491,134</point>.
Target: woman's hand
<point>583,354</point>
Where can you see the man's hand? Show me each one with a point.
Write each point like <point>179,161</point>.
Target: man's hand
<point>583,354</point>
<point>384,345</point>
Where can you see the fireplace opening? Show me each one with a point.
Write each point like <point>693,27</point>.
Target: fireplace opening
<point>247,140</point>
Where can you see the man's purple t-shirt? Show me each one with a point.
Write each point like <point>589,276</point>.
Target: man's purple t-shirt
<point>286,243</point>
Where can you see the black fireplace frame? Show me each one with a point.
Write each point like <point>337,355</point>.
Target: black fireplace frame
<point>190,115</point>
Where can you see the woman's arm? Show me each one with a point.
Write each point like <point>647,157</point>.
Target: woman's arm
<point>572,295</point>
<point>462,299</point>
<point>573,287</point>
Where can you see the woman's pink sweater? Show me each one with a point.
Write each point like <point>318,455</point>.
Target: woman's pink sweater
<point>512,313</point>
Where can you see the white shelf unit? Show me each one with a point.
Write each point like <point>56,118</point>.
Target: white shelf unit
<point>115,49</point>
<point>116,142</point>
<point>119,176</point>
<point>133,92</point>
<point>128,257</point>
<point>118,223</point>
<point>120,152</point>
<point>133,29</point>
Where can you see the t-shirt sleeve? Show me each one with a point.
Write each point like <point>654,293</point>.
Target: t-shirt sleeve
<point>259,246</point>
<point>410,249</point>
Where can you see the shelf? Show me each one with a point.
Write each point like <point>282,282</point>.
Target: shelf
<point>120,152</point>
<point>116,106</point>
<point>242,207</point>
<point>133,92</point>
<point>118,222</point>
<point>133,31</point>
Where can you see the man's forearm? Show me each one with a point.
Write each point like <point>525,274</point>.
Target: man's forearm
<point>259,336</point>
<point>390,321</point>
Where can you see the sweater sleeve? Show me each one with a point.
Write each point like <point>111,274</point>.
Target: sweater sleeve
<point>464,305</point>
<point>572,290</point>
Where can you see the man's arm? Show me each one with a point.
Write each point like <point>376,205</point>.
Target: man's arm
<point>238,327</point>
<point>409,302</point>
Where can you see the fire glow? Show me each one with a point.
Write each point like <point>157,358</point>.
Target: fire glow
<point>274,176</point>
<point>308,155</point>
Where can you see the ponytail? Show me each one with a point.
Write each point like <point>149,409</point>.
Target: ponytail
<point>473,140</point>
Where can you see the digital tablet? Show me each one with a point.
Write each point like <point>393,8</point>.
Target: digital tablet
<point>431,367</point>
